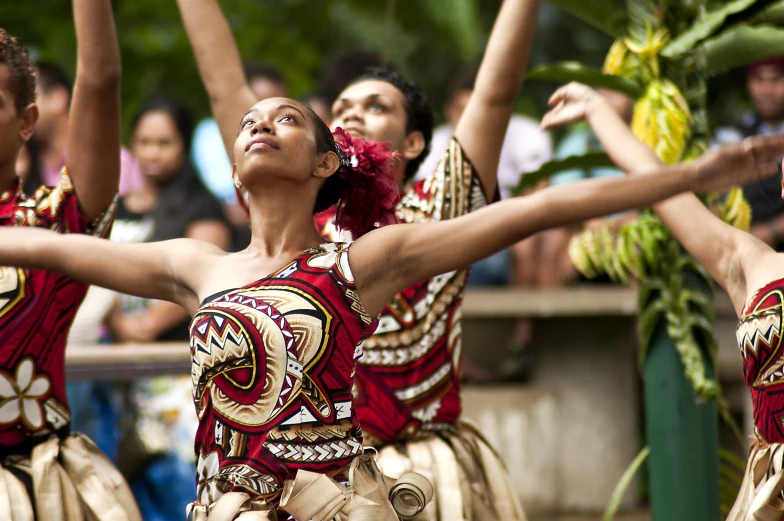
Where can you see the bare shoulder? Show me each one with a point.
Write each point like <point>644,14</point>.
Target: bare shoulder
<point>761,268</point>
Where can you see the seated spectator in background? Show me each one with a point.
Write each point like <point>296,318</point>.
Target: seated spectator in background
<point>51,134</point>
<point>765,87</point>
<point>156,434</point>
<point>525,148</point>
<point>542,261</point>
<point>209,155</point>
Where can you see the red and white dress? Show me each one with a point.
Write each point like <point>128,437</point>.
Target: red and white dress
<point>760,340</point>
<point>36,312</point>
<point>408,381</point>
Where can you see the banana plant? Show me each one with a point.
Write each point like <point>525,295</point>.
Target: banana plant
<point>661,57</point>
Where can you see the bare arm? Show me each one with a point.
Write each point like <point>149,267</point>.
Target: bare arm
<point>730,255</point>
<point>394,257</point>
<point>161,316</point>
<point>161,270</point>
<point>93,150</point>
<point>482,126</point>
<point>220,66</point>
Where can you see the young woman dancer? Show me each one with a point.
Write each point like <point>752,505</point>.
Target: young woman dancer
<point>747,268</point>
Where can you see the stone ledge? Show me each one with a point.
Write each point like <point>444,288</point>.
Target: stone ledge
<point>579,301</point>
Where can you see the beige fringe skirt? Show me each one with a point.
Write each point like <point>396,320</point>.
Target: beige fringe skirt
<point>760,497</point>
<point>469,479</point>
<point>368,496</point>
<point>70,480</point>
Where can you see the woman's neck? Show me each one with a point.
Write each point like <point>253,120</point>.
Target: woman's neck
<point>282,223</point>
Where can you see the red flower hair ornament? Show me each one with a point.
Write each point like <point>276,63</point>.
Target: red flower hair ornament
<point>371,190</point>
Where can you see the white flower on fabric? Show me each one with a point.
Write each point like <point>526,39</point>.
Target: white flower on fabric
<point>206,470</point>
<point>329,255</point>
<point>20,397</point>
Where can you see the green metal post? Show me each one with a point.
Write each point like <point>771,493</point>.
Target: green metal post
<point>683,436</point>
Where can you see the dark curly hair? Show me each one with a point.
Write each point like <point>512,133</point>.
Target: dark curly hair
<point>21,74</point>
<point>419,111</point>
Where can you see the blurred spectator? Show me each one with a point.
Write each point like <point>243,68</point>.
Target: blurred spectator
<point>157,426</point>
<point>212,162</point>
<point>765,87</point>
<point>343,67</point>
<point>525,148</point>
<point>542,261</point>
<point>51,132</point>
<point>318,102</point>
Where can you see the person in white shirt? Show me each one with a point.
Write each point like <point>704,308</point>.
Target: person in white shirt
<point>525,149</point>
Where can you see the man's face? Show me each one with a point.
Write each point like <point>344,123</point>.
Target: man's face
<point>374,110</point>
<point>765,85</point>
<point>265,88</point>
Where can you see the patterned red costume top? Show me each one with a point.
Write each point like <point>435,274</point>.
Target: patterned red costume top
<point>409,377</point>
<point>272,365</point>
<point>36,311</point>
<point>760,341</point>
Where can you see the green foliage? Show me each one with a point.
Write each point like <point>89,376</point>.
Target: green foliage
<point>550,168</point>
<point>567,71</point>
<point>623,484</point>
<point>705,27</point>
<point>606,15</point>
<point>741,45</point>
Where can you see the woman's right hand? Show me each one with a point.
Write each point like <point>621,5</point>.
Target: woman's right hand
<point>571,103</point>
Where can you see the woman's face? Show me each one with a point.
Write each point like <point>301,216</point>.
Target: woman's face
<point>158,146</point>
<point>277,139</point>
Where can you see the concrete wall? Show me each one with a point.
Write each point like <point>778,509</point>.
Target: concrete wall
<point>568,435</point>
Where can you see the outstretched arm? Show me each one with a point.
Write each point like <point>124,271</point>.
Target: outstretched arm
<point>735,259</point>
<point>394,257</point>
<point>93,149</point>
<point>160,270</point>
<point>220,66</point>
<point>482,126</point>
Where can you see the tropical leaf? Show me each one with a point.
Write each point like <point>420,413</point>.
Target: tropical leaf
<point>662,120</point>
<point>623,484</point>
<point>549,169</point>
<point>606,15</point>
<point>567,71</point>
<point>741,45</point>
<point>642,16</point>
<point>459,18</point>
<point>772,15</point>
<point>702,29</point>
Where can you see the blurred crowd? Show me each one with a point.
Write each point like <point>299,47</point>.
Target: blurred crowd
<point>176,182</point>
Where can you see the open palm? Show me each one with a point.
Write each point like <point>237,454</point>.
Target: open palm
<point>741,163</point>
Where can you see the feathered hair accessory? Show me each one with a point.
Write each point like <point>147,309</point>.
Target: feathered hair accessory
<point>370,189</point>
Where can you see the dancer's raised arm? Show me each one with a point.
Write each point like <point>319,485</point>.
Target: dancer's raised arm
<point>220,65</point>
<point>93,150</point>
<point>483,125</point>
<point>158,270</point>
<point>394,257</point>
<point>737,260</point>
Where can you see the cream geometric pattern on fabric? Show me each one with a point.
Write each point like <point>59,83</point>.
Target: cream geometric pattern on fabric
<point>323,452</point>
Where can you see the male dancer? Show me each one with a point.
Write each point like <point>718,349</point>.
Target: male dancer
<point>407,383</point>
<point>36,307</point>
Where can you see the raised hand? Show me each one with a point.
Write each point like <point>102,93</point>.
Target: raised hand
<point>742,163</point>
<point>571,103</point>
